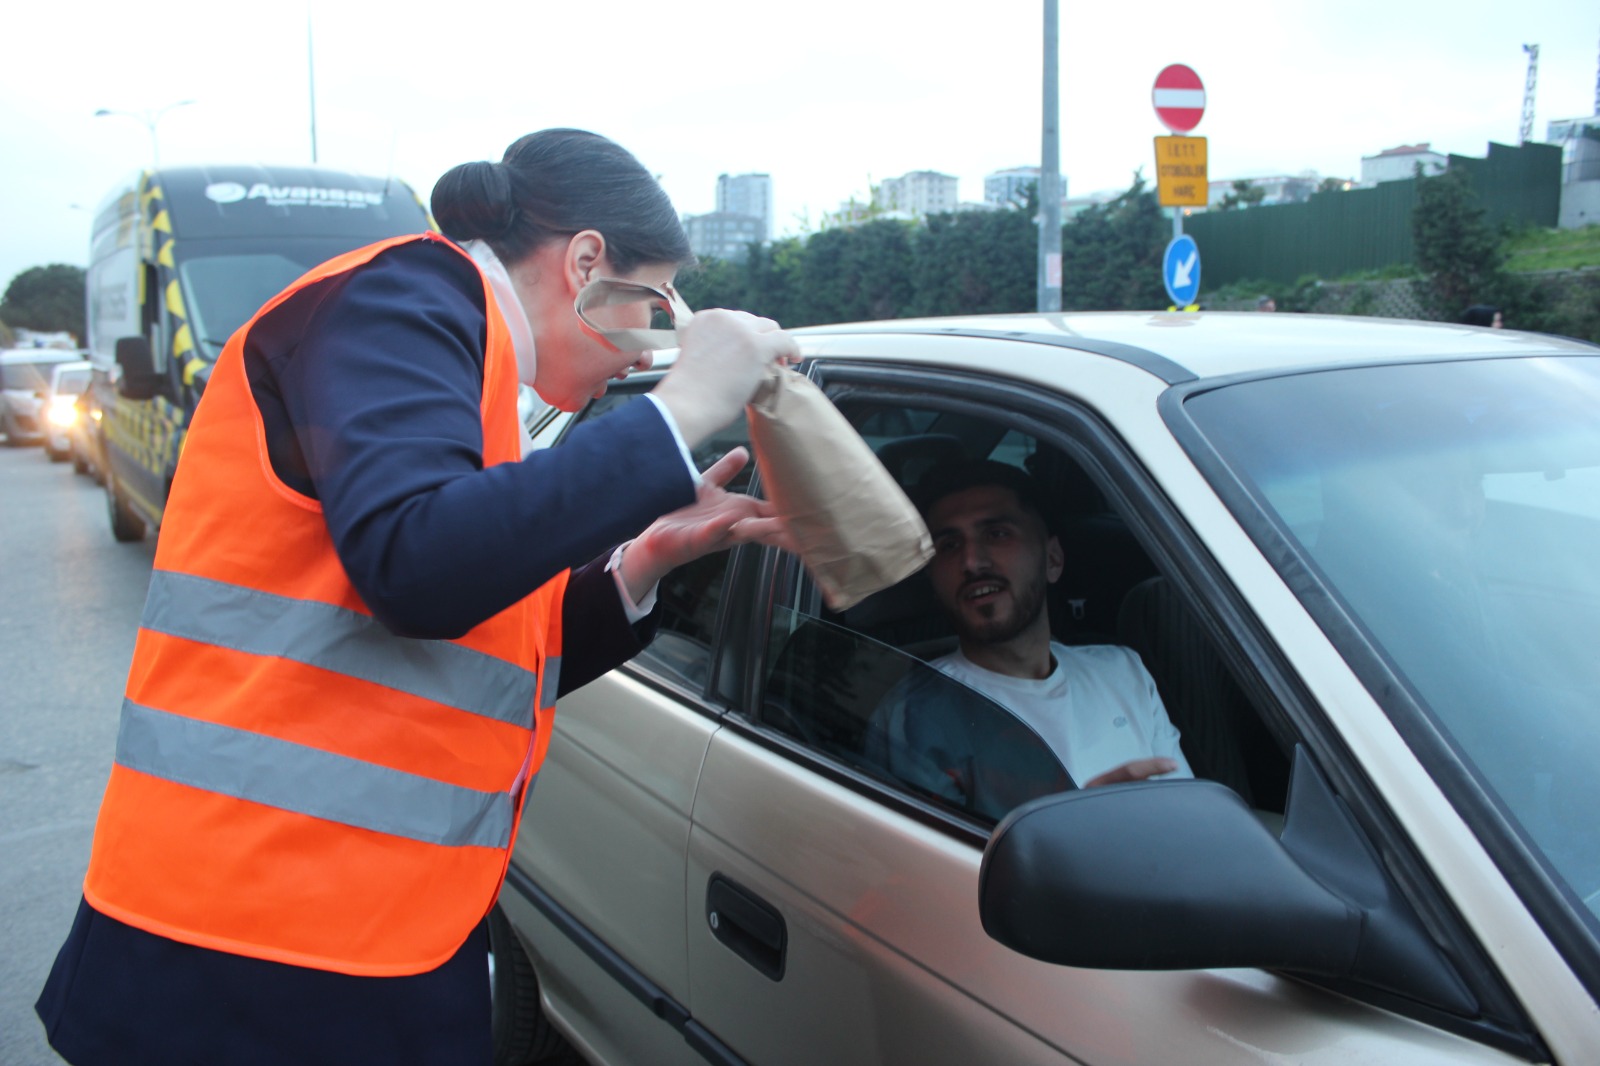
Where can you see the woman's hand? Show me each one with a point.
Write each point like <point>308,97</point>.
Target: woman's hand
<point>723,358</point>
<point>718,519</point>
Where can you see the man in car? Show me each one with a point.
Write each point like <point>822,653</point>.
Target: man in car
<point>1093,706</point>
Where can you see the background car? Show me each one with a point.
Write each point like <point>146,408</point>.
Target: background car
<point>1356,556</point>
<point>24,381</point>
<point>62,412</point>
<point>88,437</point>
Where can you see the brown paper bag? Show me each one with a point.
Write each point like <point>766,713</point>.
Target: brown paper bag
<point>854,528</point>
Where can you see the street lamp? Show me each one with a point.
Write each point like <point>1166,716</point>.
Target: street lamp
<point>149,119</point>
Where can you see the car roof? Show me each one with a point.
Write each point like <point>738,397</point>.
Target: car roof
<point>39,355</point>
<point>1185,346</point>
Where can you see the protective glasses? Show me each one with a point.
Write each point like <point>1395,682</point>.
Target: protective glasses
<point>611,292</point>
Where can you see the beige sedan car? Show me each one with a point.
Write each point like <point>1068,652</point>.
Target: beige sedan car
<point>1359,560</point>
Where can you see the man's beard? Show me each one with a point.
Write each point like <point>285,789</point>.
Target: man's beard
<point>1029,602</point>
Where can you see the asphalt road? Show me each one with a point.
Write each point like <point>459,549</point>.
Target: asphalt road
<point>70,598</point>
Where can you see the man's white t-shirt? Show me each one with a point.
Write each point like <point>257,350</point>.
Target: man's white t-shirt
<point>1097,710</point>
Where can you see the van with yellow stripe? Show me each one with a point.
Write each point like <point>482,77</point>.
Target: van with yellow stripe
<point>179,259</point>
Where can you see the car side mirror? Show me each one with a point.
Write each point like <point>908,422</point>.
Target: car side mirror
<point>139,379</point>
<point>1181,875</point>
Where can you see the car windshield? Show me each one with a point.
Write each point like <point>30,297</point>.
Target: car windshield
<point>71,382</point>
<point>32,377</point>
<point>1453,509</point>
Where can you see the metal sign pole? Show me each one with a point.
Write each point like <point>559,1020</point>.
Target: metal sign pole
<point>1049,266</point>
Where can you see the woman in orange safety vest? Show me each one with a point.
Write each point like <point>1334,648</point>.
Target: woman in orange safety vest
<point>365,601</point>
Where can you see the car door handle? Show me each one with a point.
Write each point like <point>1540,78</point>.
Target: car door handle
<point>751,927</point>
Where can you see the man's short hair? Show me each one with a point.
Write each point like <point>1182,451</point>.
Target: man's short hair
<point>944,481</point>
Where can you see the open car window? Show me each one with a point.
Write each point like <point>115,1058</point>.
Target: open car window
<point>690,596</point>
<point>861,686</point>
<point>888,714</point>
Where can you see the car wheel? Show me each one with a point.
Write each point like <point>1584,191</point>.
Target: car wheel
<point>125,525</point>
<point>9,425</point>
<point>78,464</point>
<point>523,1036</point>
<point>56,455</point>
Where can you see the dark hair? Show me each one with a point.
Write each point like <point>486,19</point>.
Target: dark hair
<point>940,482</point>
<point>1479,315</point>
<point>553,184</point>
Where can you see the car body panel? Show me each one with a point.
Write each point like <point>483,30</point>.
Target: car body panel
<point>617,812</point>
<point>590,1008</point>
<point>885,943</point>
<point>67,382</point>
<point>23,394</point>
<point>1220,344</point>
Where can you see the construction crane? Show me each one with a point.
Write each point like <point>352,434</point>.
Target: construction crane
<point>1527,94</point>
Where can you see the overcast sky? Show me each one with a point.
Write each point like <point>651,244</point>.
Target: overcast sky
<point>824,95</point>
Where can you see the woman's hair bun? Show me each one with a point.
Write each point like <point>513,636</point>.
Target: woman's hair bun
<point>474,201</point>
<point>553,184</point>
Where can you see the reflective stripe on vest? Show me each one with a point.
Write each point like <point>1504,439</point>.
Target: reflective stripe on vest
<point>306,780</point>
<point>345,642</point>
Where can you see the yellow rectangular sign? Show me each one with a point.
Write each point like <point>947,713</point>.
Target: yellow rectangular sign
<point>1181,171</point>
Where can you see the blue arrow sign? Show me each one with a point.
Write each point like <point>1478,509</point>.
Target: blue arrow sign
<point>1180,270</point>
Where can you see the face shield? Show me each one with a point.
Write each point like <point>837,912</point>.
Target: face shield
<point>597,304</point>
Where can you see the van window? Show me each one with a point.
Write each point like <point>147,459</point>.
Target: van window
<point>225,291</point>
<point>226,282</point>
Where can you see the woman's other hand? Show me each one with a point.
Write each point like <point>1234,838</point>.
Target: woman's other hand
<point>723,358</point>
<point>718,519</point>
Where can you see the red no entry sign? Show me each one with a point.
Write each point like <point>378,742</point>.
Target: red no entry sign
<point>1179,97</point>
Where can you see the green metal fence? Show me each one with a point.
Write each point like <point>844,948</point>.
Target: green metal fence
<point>1337,233</point>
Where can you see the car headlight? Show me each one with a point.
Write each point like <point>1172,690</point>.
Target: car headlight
<point>62,412</point>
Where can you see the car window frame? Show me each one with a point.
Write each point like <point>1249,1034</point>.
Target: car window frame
<point>1251,655</point>
<point>737,588</point>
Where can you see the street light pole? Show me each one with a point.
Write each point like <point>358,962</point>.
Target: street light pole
<point>311,79</point>
<point>149,120</point>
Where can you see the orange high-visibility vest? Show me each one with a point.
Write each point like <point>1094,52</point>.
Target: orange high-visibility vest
<point>292,781</point>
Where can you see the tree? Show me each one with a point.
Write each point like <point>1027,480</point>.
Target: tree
<point>1111,254</point>
<point>771,285</point>
<point>48,299</point>
<point>1243,195</point>
<point>976,262</point>
<point>1458,254</point>
<point>855,273</point>
<point>1332,185</point>
<point>714,283</point>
